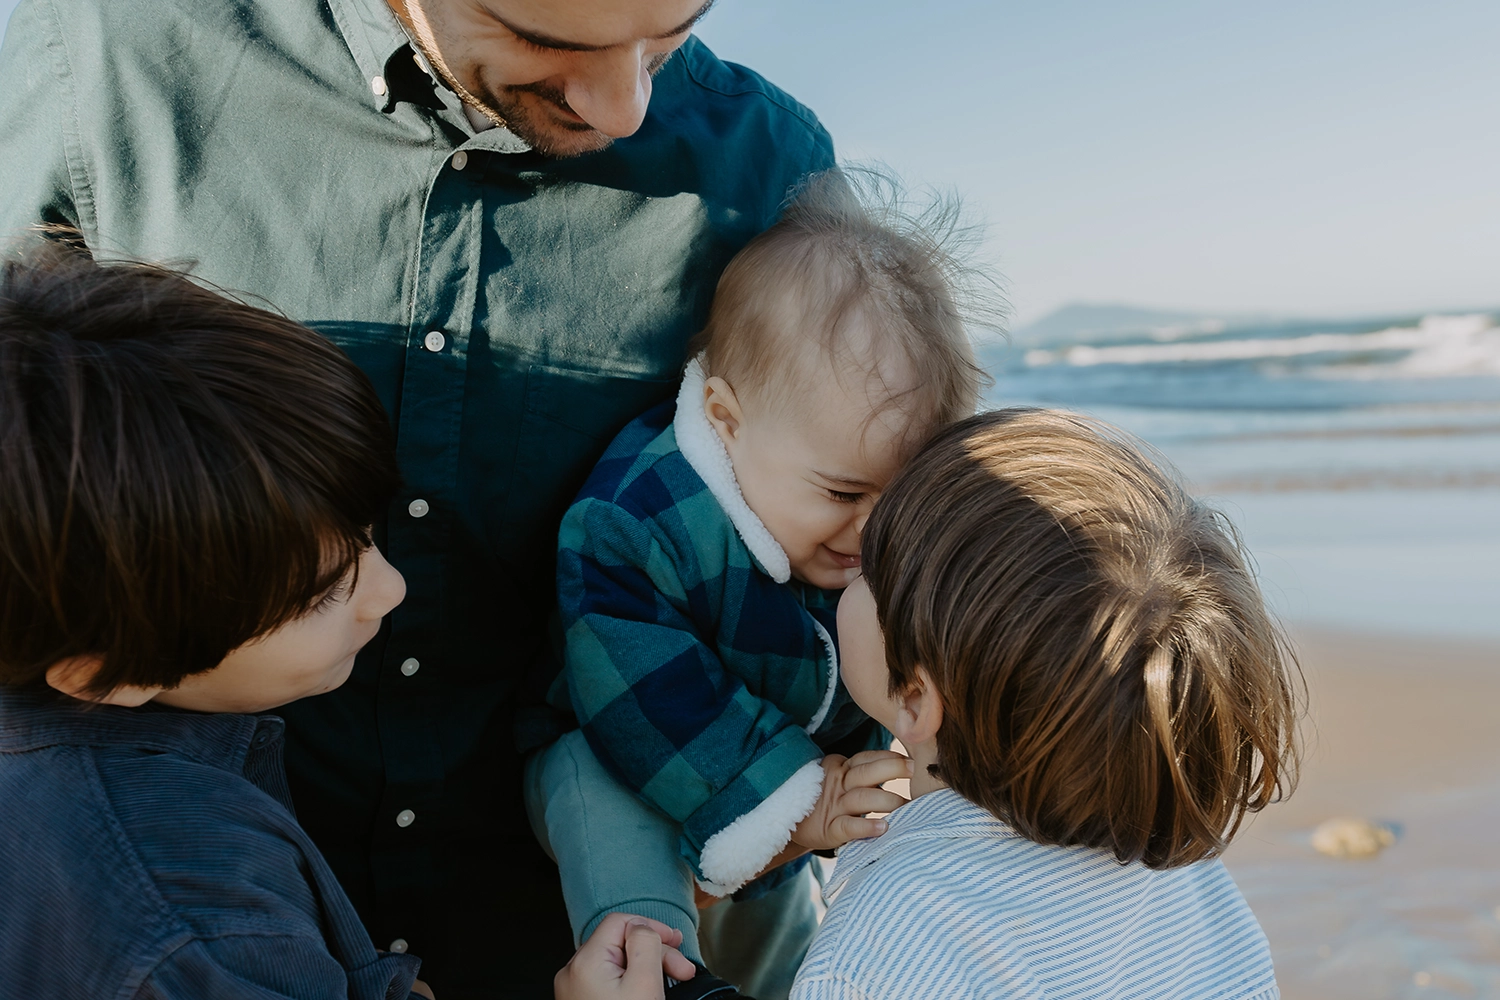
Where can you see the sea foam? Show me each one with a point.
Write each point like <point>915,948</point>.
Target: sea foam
<point>1440,346</point>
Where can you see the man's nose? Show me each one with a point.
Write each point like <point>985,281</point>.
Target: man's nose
<point>611,90</point>
<point>859,523</point>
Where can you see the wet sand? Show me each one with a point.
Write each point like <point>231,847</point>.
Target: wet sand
<point>1405,732</point>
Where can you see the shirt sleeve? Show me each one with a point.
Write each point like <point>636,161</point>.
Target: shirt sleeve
<point>823,157</point>
<point>659,709</point>
<point>37,165</point>
<point>271,967</point>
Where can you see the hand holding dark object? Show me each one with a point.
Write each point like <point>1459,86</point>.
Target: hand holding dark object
<point>624,959</point>
<point>851,788</point>
<point>705,986</point>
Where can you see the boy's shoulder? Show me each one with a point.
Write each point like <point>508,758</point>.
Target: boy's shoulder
<point>982,908</point>
<point>131,833</point>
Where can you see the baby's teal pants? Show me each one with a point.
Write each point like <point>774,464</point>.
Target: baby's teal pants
<point>617,854</point>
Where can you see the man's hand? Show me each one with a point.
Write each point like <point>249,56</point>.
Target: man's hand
<point>421,989</point>
<point>623,960</point>
<point>851,788</point>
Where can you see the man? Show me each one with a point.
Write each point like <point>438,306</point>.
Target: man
<point>512,214</point>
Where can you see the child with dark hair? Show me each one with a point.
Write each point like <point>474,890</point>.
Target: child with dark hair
<point>187,486</point>
<point>1075,654</point>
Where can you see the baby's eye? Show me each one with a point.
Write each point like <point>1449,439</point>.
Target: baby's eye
<point>846,497</point>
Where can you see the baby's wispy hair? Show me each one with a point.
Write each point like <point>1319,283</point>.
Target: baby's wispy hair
<point>865,273</point>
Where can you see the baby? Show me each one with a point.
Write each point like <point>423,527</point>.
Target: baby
<point>1077,658</point>
<point>699,571</point>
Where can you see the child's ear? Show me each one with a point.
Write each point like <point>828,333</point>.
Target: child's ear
<point>919,711</point>
<point>72,676</point>
<point>722,407</point>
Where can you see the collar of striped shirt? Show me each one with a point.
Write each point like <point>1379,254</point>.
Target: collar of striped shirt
<point>939,815</point>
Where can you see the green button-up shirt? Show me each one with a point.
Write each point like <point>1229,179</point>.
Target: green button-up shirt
<point>513,311</point>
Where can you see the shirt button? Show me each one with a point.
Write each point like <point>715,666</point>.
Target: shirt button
<point>377,84</point>
<point>405,818</point>
<point>418,508</point>
<point>410,665</point>
<point>434,341</point>
<point>460,160</point>
<point>398,946</point>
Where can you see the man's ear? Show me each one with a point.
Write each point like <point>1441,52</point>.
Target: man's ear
<point>919,711</point>
<point>72,676</point>
<point>722,407</point>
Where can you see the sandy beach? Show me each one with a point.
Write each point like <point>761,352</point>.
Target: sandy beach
<point>1405,732</point>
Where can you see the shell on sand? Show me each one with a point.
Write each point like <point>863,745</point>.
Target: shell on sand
<point>1351,838</point>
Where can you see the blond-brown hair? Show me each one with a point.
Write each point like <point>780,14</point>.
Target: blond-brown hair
<point>847,248</point>
<point>1109,674</point>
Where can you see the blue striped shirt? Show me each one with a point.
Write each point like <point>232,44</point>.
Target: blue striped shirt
<point>951,902</point>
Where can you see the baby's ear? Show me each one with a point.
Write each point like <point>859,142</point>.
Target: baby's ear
<point>919,711</point>
<point>722,408</point>
<point>73,675</point>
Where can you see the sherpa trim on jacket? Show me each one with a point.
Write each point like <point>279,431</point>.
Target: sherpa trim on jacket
<point>698,678</point>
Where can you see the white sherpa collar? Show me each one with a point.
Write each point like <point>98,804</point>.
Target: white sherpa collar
<point>701,446</point>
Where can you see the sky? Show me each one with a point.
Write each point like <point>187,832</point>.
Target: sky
<point>1315,157</point>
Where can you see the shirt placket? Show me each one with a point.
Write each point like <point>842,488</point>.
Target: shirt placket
<point>421,524</point>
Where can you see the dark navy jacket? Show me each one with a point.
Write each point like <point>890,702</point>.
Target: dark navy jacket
<point>152,853</point>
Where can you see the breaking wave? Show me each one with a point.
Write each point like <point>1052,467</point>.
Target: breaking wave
<point>1437,347</point>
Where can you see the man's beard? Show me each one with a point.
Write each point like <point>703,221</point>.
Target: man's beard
<point>543,133</point>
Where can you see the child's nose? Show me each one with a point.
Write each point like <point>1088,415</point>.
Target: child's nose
<point>381,585</point>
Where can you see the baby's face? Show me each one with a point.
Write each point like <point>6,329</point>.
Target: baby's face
<point>812,472</point>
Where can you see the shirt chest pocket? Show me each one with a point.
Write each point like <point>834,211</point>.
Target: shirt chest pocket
<point>570,416</point>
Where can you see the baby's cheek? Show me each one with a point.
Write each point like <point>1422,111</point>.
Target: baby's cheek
<point>832,523</point>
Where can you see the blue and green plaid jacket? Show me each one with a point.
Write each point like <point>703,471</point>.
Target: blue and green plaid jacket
<point>700,682</point>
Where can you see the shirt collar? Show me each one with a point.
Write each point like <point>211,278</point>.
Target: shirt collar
<point>33,720</point>
<point>373,35</point>
<point>388,61</point>
<point>942,814</point>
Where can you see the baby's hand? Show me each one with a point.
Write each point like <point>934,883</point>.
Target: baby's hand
<point>851,788</point>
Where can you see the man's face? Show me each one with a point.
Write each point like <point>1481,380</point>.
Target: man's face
<point>568,76</point>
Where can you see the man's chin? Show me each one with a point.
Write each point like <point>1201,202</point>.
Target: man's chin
<point>556,139</point>
<point>564,144</point>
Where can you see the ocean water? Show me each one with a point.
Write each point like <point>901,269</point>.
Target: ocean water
<point>1360,458</point>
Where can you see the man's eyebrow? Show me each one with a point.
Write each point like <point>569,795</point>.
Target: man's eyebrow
<point>548,42</point>
<point>853,482</point>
